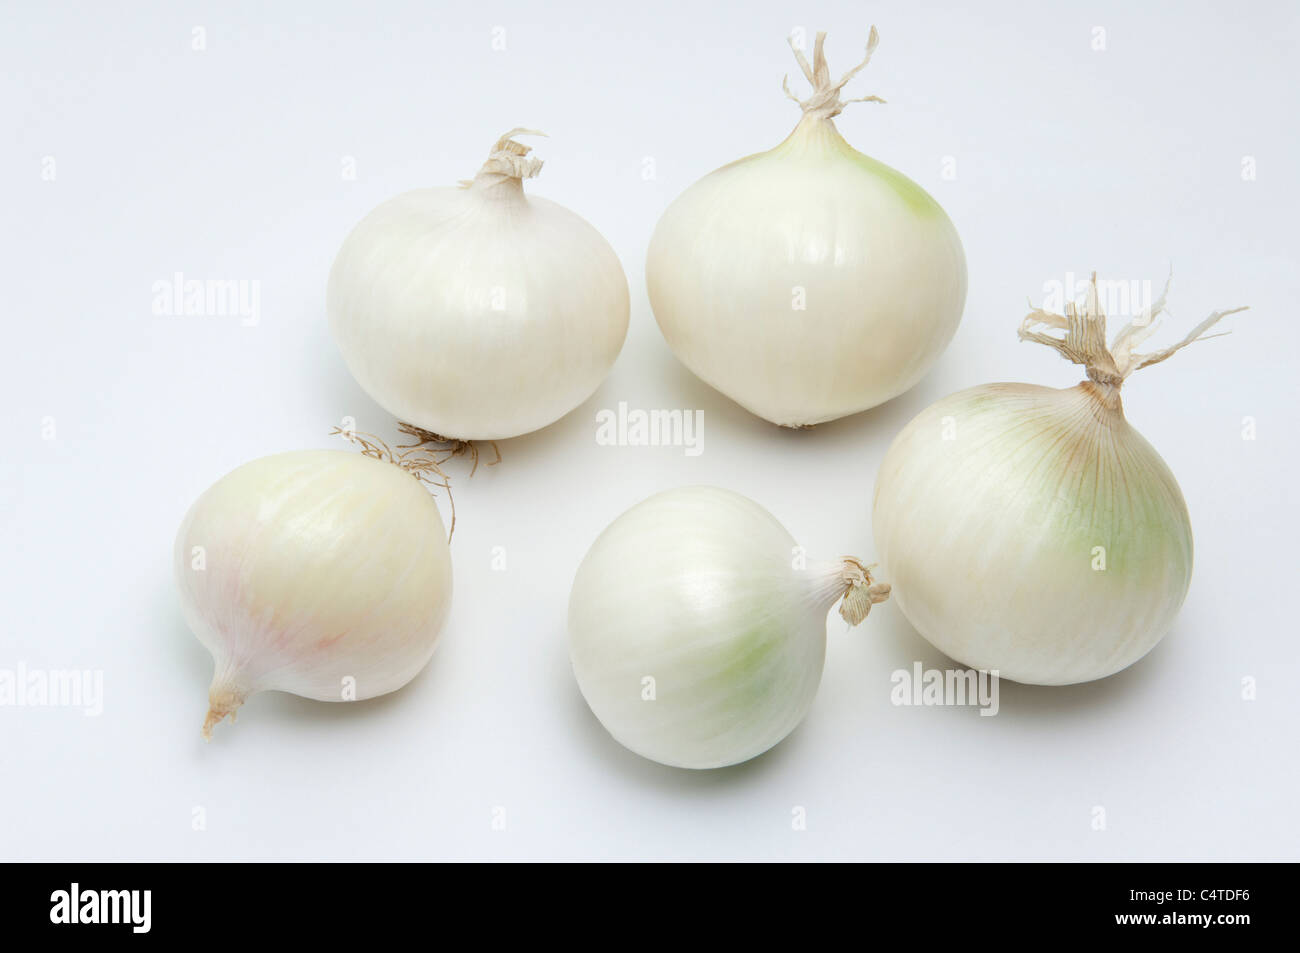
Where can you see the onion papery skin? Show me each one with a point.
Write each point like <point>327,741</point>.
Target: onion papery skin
<point>880,265</point>
<point>478,313</point>
<point>317,566</point>
<point>696,589</point>
<point>989,537</point>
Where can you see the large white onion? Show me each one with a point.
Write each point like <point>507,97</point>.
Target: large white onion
<point>1033,531</point>
<point>810,281</point>
<point>697,630</point>
<point>323,573</point>
<point>478,312</point>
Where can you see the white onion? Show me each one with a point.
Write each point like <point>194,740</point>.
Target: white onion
<point>811,281</point>
<point>478,312</point>
<point>1032,531</point>
<point>701,599</point>
<point>323,573</point>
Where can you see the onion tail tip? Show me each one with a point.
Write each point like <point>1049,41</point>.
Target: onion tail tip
<point>221,702</point>
<point>861,592</point>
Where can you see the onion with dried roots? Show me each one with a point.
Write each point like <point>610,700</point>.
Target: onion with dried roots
<point>324,573</point>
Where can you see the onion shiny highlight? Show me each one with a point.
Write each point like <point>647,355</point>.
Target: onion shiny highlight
<point>697,630</point>
<point>480,312</point>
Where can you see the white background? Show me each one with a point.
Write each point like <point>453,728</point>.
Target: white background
<point>227,163</point>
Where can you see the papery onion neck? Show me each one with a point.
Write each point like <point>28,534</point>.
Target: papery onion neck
<point>1105,396</point>
<point>1084,341</point>
<point>825,102</point>
<point>507,164</point>
<point>851,584</point>
<point>814,135</point>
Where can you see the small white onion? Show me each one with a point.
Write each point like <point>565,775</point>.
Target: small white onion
<point>478,313</point>
<point>1033,531</point>
<point>324,573</point>
<point>811,281</point>
<point>696,630</point>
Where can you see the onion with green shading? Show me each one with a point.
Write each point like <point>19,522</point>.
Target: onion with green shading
<point>811,281</point>
<point>697,629</point>
<point>1032,531</point>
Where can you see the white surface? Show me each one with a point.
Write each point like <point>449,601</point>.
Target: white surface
<point>226,164</point>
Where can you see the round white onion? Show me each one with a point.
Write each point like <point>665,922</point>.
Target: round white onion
<point>323,573</point>
<point>697,631</point>
<point>1032,531</point>
<point>811,281</point>
<point>478,312</point>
